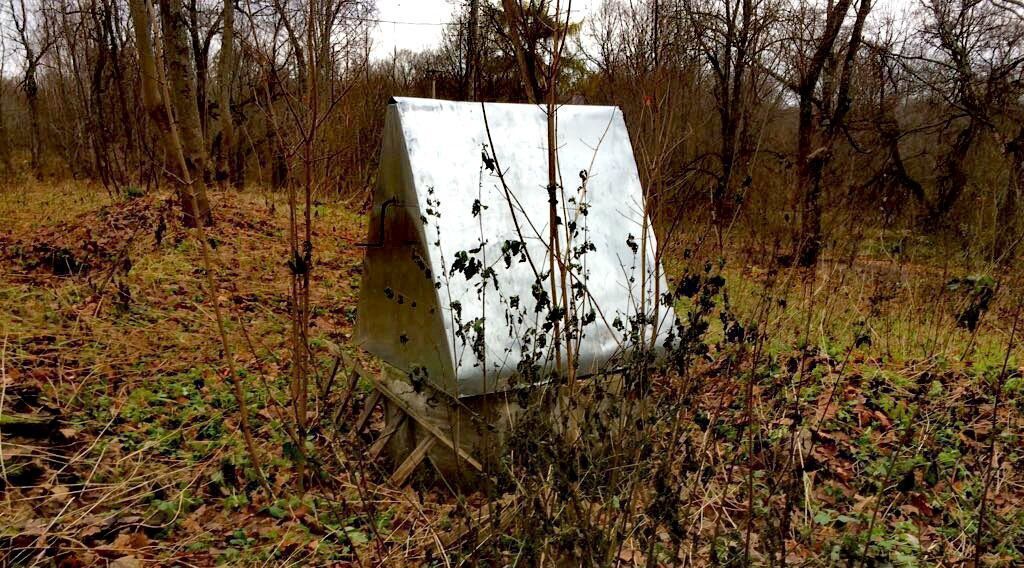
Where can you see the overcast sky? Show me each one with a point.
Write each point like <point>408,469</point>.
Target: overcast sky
<point>419,24</point>
<point>422,22</point>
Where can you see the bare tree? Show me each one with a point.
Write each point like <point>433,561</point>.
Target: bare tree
<point>202,26</point>
<point>35,40</point>
<point>226,67</point>
<point>822,78</point>
<point>971,63</point>
<point>1008,231</point>
<point>733,36</point>
<point>473,51</point>
<point>181,82</point>
<point>180,88</point>
<point>1007,126</point>
<point>530,30</point>
<point>949,35</point>
<point>86,65</point>
<point>5,140</point>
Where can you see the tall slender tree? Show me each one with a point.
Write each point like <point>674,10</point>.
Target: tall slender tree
<point>733,36</point>
<point>34,46</point>
<point>177,82</point>
<point>822,82</point>
<point>226,73</point>
<point>5,140</point>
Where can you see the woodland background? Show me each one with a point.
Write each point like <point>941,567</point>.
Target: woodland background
<point>799,111</point>
<point>838,196</point>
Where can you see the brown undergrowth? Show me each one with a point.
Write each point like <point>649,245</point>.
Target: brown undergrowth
<point>855,414</point>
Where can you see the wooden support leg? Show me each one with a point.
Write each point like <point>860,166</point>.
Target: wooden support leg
<point>382,441</point>
<point>426,424</point>
<point>371,402</point>
<point>405,470</point>
<point>484,524</point>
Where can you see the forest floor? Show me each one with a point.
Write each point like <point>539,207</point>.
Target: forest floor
<point>119,436</point>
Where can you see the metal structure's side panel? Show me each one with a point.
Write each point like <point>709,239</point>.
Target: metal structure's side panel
<point>398,317</point>
<point>444,142</point>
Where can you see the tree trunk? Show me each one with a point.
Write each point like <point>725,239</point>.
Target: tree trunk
<point>733,87</point>
<point>808,170</point>
<point>181,89</point>
<point>473,48</point>
<point>31,89</point>
<point>278,161</point>
<point>226,66</point>
<point>513,18</point>
<point>195,207</point>
<point>811,163</point>
<point>200,57</point>
<point>101,136</point>
<point>722,196</point>
<point>131,151</point>
<point>896,169</point>
<point>953,176</point>
<point>238,166</point>
<point>5,141</point>
<point>182,86</point>
<point>1008,230</point>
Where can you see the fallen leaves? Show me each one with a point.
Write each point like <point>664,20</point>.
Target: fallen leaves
<point>136,438</point>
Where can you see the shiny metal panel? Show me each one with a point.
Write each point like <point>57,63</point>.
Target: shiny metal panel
<point>452,204</point>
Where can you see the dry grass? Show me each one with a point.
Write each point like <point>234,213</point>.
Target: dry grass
<point>142,457</point>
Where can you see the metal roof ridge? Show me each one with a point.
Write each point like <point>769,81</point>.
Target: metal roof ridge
<point>420,100</point>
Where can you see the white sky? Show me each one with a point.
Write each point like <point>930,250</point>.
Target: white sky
<point>421,28</point>
<point>419,24</point>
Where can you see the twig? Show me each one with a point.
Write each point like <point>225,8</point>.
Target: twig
<point>214,292</point>
<point>994,435</point>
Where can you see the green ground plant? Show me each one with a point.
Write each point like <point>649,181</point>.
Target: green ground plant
<point>861,416</point>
